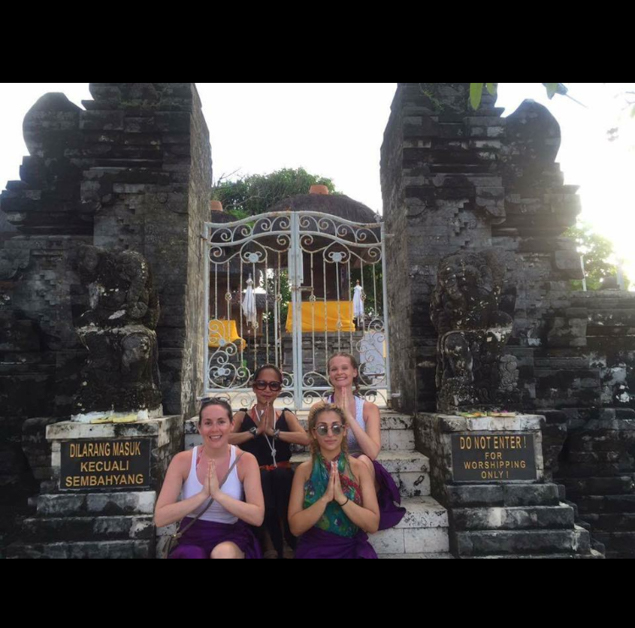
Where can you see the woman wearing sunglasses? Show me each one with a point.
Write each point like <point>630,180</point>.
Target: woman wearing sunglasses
<point>333,502</point>
<point>214,471</point>
<point>364,433</point>
<point>268,434</point>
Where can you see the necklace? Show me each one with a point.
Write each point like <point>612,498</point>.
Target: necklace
<point>271,443</point>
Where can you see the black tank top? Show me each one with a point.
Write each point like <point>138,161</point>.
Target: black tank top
<point>259,447</point>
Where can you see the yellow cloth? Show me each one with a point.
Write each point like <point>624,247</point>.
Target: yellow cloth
<point>334,310</point>
<point>224,332</point>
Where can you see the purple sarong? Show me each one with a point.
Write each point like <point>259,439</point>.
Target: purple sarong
<point>316,543</point>
<point>387,494</point>
<point>204,536</point>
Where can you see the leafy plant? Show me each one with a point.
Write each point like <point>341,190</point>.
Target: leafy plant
<point>257,193</point>
<point>599,257</point>
<point>476,91</point>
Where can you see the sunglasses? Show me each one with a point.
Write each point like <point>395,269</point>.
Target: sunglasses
<point>323,429</point>
<point>262,385</point>
<point>206,401</point>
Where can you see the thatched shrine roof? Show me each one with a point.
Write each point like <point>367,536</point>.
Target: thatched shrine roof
<point>334,204</point>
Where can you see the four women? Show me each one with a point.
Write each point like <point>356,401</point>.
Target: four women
<point>330,503</point>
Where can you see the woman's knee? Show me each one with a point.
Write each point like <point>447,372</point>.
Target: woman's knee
<point>227,550</point>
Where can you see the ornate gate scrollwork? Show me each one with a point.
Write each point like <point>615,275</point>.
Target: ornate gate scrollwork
<point>300,268</point>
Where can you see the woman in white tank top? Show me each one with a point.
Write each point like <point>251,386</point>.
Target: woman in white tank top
<point>222,530</point>
<point>364,434</point>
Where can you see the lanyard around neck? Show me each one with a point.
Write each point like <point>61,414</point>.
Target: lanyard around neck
<point>271,443</point>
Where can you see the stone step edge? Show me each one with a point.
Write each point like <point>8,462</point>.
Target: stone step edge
<point>415,556</point>
<point>80,504</point>
<point>418,506</point>
<point>543,518</point>
<point>574,529</point>
<point>88,516</point>
<point>593,554</point>
<point>21,546</point>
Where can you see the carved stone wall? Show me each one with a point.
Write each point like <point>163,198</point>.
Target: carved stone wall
<point>458,180</point>
<point>130,172</point>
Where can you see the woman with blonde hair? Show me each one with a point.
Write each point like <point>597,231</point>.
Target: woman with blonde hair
<point>364,433</point>
<point>333,502</point>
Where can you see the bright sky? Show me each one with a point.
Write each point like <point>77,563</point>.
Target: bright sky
<point>336,130</point>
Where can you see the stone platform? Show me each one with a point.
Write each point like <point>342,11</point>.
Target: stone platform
<point>99,501</point>
<point>519,514</point>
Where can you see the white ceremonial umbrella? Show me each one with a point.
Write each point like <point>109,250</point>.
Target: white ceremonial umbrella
<point>249,304</point>
<point>358,302</point>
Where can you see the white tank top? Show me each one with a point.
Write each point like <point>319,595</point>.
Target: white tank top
<point>231,487</point>
<point>353,445</point>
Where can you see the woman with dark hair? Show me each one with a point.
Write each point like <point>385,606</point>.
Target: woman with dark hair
<point>333,502</point>
<point>364,433</point>
<point>268,434</point>
<point>219,472</point>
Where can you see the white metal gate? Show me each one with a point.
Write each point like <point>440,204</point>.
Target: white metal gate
<point>297,269</point>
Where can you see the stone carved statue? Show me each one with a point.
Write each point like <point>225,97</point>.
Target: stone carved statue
<point>118,329</point>
<point>120,288</point>
<point>472,372</point>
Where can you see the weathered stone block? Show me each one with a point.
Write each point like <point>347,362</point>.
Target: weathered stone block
<point>512,518</point>
<point>522,542</point>
<point>430,540</point>
<point>620,485</point>
<point>102,120</point>
<point>43,529</point>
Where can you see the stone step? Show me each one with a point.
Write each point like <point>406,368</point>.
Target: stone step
<point>90,549</point>
<point>606,504</point>
<point>409,469</point>
<point>424,529</point>
<point>107,504</point>
<point>488,495</point>
<point>622,542</point>
<point>591,555</point>
<point>501,542</point>
<point>51,529</point>
<point>611,522</point>
<point>617,485</point>
<point>620,555</point>
<point>513,518</point>
<point>418,556</point>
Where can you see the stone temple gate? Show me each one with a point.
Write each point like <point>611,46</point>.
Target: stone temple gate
<point>102,288</point>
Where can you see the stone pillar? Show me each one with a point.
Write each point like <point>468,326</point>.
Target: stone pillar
<point>131,172</point>
<point>151,180</point>
<point>456,180</point>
